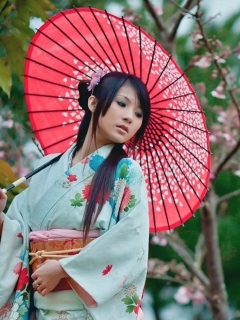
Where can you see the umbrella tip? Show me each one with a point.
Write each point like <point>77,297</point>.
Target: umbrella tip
<point>183,225</point>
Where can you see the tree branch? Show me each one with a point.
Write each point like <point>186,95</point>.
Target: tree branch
<point>227,158</point>
<point>174,242</point>
<point>180,15</point>
<point>228,196</point>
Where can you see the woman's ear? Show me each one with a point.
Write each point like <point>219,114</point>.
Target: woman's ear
<point>92,103</point>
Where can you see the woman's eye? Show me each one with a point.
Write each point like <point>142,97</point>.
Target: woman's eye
<point>121,103</point>
<point>139,114</point>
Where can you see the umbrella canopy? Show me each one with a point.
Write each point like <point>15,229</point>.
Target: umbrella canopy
<point>174,154</point>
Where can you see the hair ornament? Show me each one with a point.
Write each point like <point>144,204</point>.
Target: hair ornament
<point>95,79</point>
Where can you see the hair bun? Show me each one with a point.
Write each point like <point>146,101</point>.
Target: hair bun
<point>84,94</point>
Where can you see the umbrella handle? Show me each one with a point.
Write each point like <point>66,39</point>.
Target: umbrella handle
<point>14,184</point>
<point>23,179</point>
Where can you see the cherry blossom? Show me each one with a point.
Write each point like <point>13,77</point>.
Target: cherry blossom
<point>159,240</point>
<point>7,123</point>
<point>159,10</point>
<point>218,93</point>
<point>203,62</point>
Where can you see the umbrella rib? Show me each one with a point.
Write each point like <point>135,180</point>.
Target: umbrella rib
<point>93,34</point>
<point>184,110</point>
<point>60,141</point>
<point>173,82</point>
<point>140,46</point>
<point>149,178</point>
<point>48,96</point>
<point>64,49</point>
<point>185,176</point>
<point>59,59</point>
<point>56,126</point>
<point>174,98</point>
<point>114,31</point>
<point>184,158</point>
<point>181,122</point>
<point>85,39</point>
<point>129,47</point>
<point>169,59</point>
<point>50,82</point>
<point>55,70</point>
<point>193,141</point>
<point>150,67</point>
<point>56,110</point>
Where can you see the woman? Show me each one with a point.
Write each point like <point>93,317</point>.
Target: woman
<point>94,188</point>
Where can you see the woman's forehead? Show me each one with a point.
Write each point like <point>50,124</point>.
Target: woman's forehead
<point>128,92</point>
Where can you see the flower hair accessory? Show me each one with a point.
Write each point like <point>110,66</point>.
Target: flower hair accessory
<point>95,79</point>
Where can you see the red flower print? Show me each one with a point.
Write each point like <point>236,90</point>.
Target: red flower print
<point>17,268</point>
<point>136,309</point>
<point>125,199</point>
<point>86,191</point>
<point>72,177</point>
<point>23,279</point>
<point>107,270</point>
<point>19,235</point>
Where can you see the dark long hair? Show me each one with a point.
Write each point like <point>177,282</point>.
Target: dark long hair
<point>105,92</point>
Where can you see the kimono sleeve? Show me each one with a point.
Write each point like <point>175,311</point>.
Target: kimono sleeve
<point>11,248</point>
<point>117,258</point>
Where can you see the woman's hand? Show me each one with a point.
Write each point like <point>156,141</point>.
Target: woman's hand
<point>3,200</point>
<point>47,276</point>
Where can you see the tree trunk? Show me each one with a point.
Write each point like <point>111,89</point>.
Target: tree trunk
<point>219,300</point>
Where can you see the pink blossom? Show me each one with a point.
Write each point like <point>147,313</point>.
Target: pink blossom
<point>198,298</point>
<point>2,154</point>
<point>220,60</point>
<point>8,124</point>
<point>159,10</point>
<point>196,36</point>
<point>218,93</point>
<point>212,176</point>
<point>185,295</point>
<point>130,18</point>
<point>203,63</point>
<point>96,79</point>
<point>237,173</point>
<point>159,240</point>
<point>182,296</point>
<point>213,138</point>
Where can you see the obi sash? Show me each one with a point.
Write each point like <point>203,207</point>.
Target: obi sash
<point>57,244</point>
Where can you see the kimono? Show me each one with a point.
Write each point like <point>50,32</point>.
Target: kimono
<point>112,268</point>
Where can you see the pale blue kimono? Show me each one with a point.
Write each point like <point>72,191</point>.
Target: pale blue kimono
<point>112,268</point>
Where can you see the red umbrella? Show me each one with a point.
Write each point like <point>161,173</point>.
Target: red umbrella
<point>174,155</point>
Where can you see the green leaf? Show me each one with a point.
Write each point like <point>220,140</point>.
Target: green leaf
<point>5,76</point>
<point>15,53</point>
<point>129,309</point>
<point>77,201</point>
<point>127,300</point>
<point>132,202</point>
<point>135,298</point>
<point>123,171</point>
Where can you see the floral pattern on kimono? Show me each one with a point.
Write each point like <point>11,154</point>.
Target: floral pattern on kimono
<point>111,268</point>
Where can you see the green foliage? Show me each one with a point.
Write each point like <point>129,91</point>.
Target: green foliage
<point>15,34</point>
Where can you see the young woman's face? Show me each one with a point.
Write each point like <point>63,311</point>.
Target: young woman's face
<point>123,118</point>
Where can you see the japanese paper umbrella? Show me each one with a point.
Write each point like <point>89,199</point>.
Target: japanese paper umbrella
<point>174,154</point>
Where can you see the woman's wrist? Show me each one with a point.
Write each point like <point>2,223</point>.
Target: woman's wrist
<point>1,222</point>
